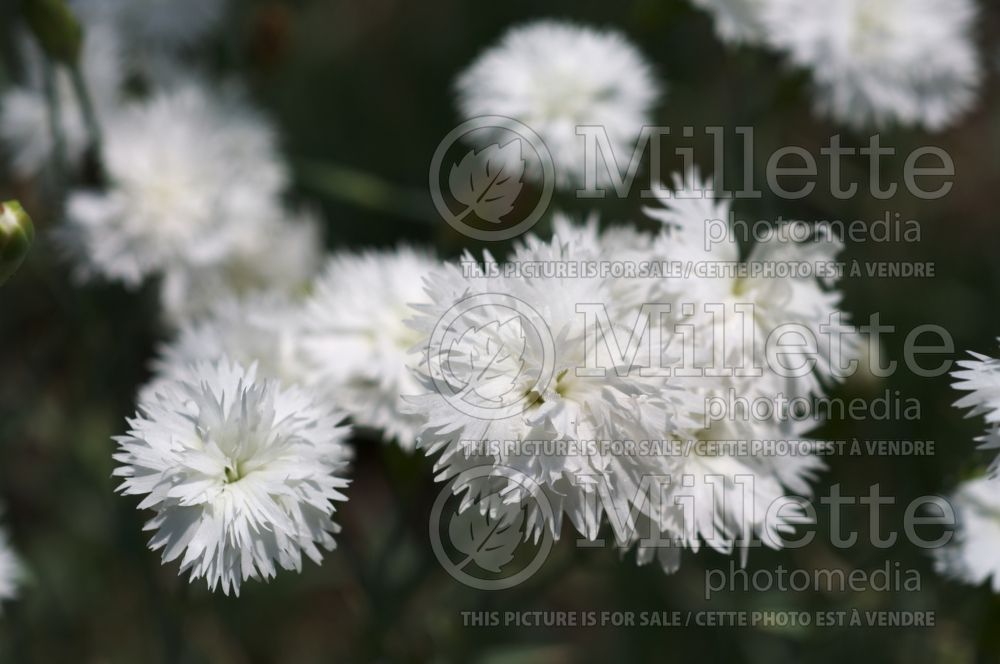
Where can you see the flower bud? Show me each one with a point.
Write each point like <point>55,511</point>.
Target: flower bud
<point>16,234</point>
<point>55,27</point>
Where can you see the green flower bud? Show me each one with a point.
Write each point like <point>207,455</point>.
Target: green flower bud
<point>16,235</point>
<point>56,29</point>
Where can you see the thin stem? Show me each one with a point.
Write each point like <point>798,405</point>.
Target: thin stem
<point>55,124</point>
<point>87,110</point>
<point>368,191</point>
<point>86,104</point>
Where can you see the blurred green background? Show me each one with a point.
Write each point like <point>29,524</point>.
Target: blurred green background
<point>360,93</point>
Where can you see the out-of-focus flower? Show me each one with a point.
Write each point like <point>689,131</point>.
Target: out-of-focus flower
<point>25,126</point>
<point>881,62</point>
<point>158,24</point>
<point>554,77</point>
<point>279,255</point>
<point>737,21</point>
<point>242,473</point>
<point>190,176</point>
<point>972,556</point>
<point>261,329</point>
<point>11,569</point>
<point>355,338</point>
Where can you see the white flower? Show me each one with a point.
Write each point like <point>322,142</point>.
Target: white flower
<point>981,379</point>
<point>725,494</point>
<point>736,21</point>
<point>972,556</point>
<point>159,24</point>
<point>491,376</point>
<point>25,126</point>
<point>262,329</point>
<point>505,369</point>
<point>11,569</point>
<point>733,315</point>
<point>554,77</point>
<point>242,473</point>
<point>278,255</point>
<point>190,175</point>
<point>355,339</point>
<point>882,62</point>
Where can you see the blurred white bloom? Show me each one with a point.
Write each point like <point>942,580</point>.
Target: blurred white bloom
<point>733,316</point>
<point>736,21</point>
<point>279,255</point>
<point>262,329</point>
<point>972,556</point>
<point>11,570</point>
<point>554,77</point>
<point>190,175</point>
<point>242,473</point>
<point>25,126</point>
<point>158,24</point>
<point>356,341</point>
<point>882,62</point>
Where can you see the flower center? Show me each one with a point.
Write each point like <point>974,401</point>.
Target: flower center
<point>234,472</point>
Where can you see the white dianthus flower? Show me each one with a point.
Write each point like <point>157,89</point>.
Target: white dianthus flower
<point>355,339</point>
<point>972,556</point>
<point>882,62</point>
<point>278,255</point>
<point>734,313</point>
<point>262,329</point>
<point>491,377</point>
<point>189,176</point>
<point>25,126</point>
<point>554,77</point>
<point>981,379</point>
<point>242,473</point>
<point>725,493</point>
<point>736,21</point>
<point>505,368</point>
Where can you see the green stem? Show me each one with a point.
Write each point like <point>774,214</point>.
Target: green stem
<point>55,123</point>
<point>367,191</point>
<point>87,109</point>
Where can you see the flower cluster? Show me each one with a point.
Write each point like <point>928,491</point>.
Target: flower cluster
<point>239,442</point>
<point>192,180</point>
<point>516,356</point>
<point>239,459</point>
